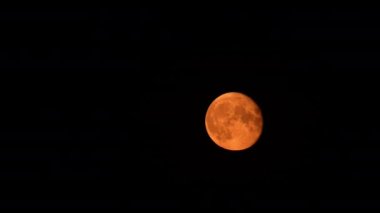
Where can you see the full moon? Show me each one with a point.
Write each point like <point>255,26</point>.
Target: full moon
<point>234,121</point>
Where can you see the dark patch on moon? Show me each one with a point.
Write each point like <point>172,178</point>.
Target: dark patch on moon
<point>243,114</point>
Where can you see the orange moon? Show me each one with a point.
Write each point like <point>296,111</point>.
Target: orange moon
<point>234,121</point>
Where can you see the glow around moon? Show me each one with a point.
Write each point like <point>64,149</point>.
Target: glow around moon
<point>234,121</point>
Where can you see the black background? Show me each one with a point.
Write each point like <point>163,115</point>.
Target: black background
<point>104,108</point>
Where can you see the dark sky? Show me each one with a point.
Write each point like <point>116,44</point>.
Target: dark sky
<point>104,108</point>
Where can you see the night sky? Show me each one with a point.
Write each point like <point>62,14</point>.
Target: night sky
<point>105,108</point>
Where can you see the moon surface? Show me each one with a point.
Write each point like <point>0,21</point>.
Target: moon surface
<point>234,121</point>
